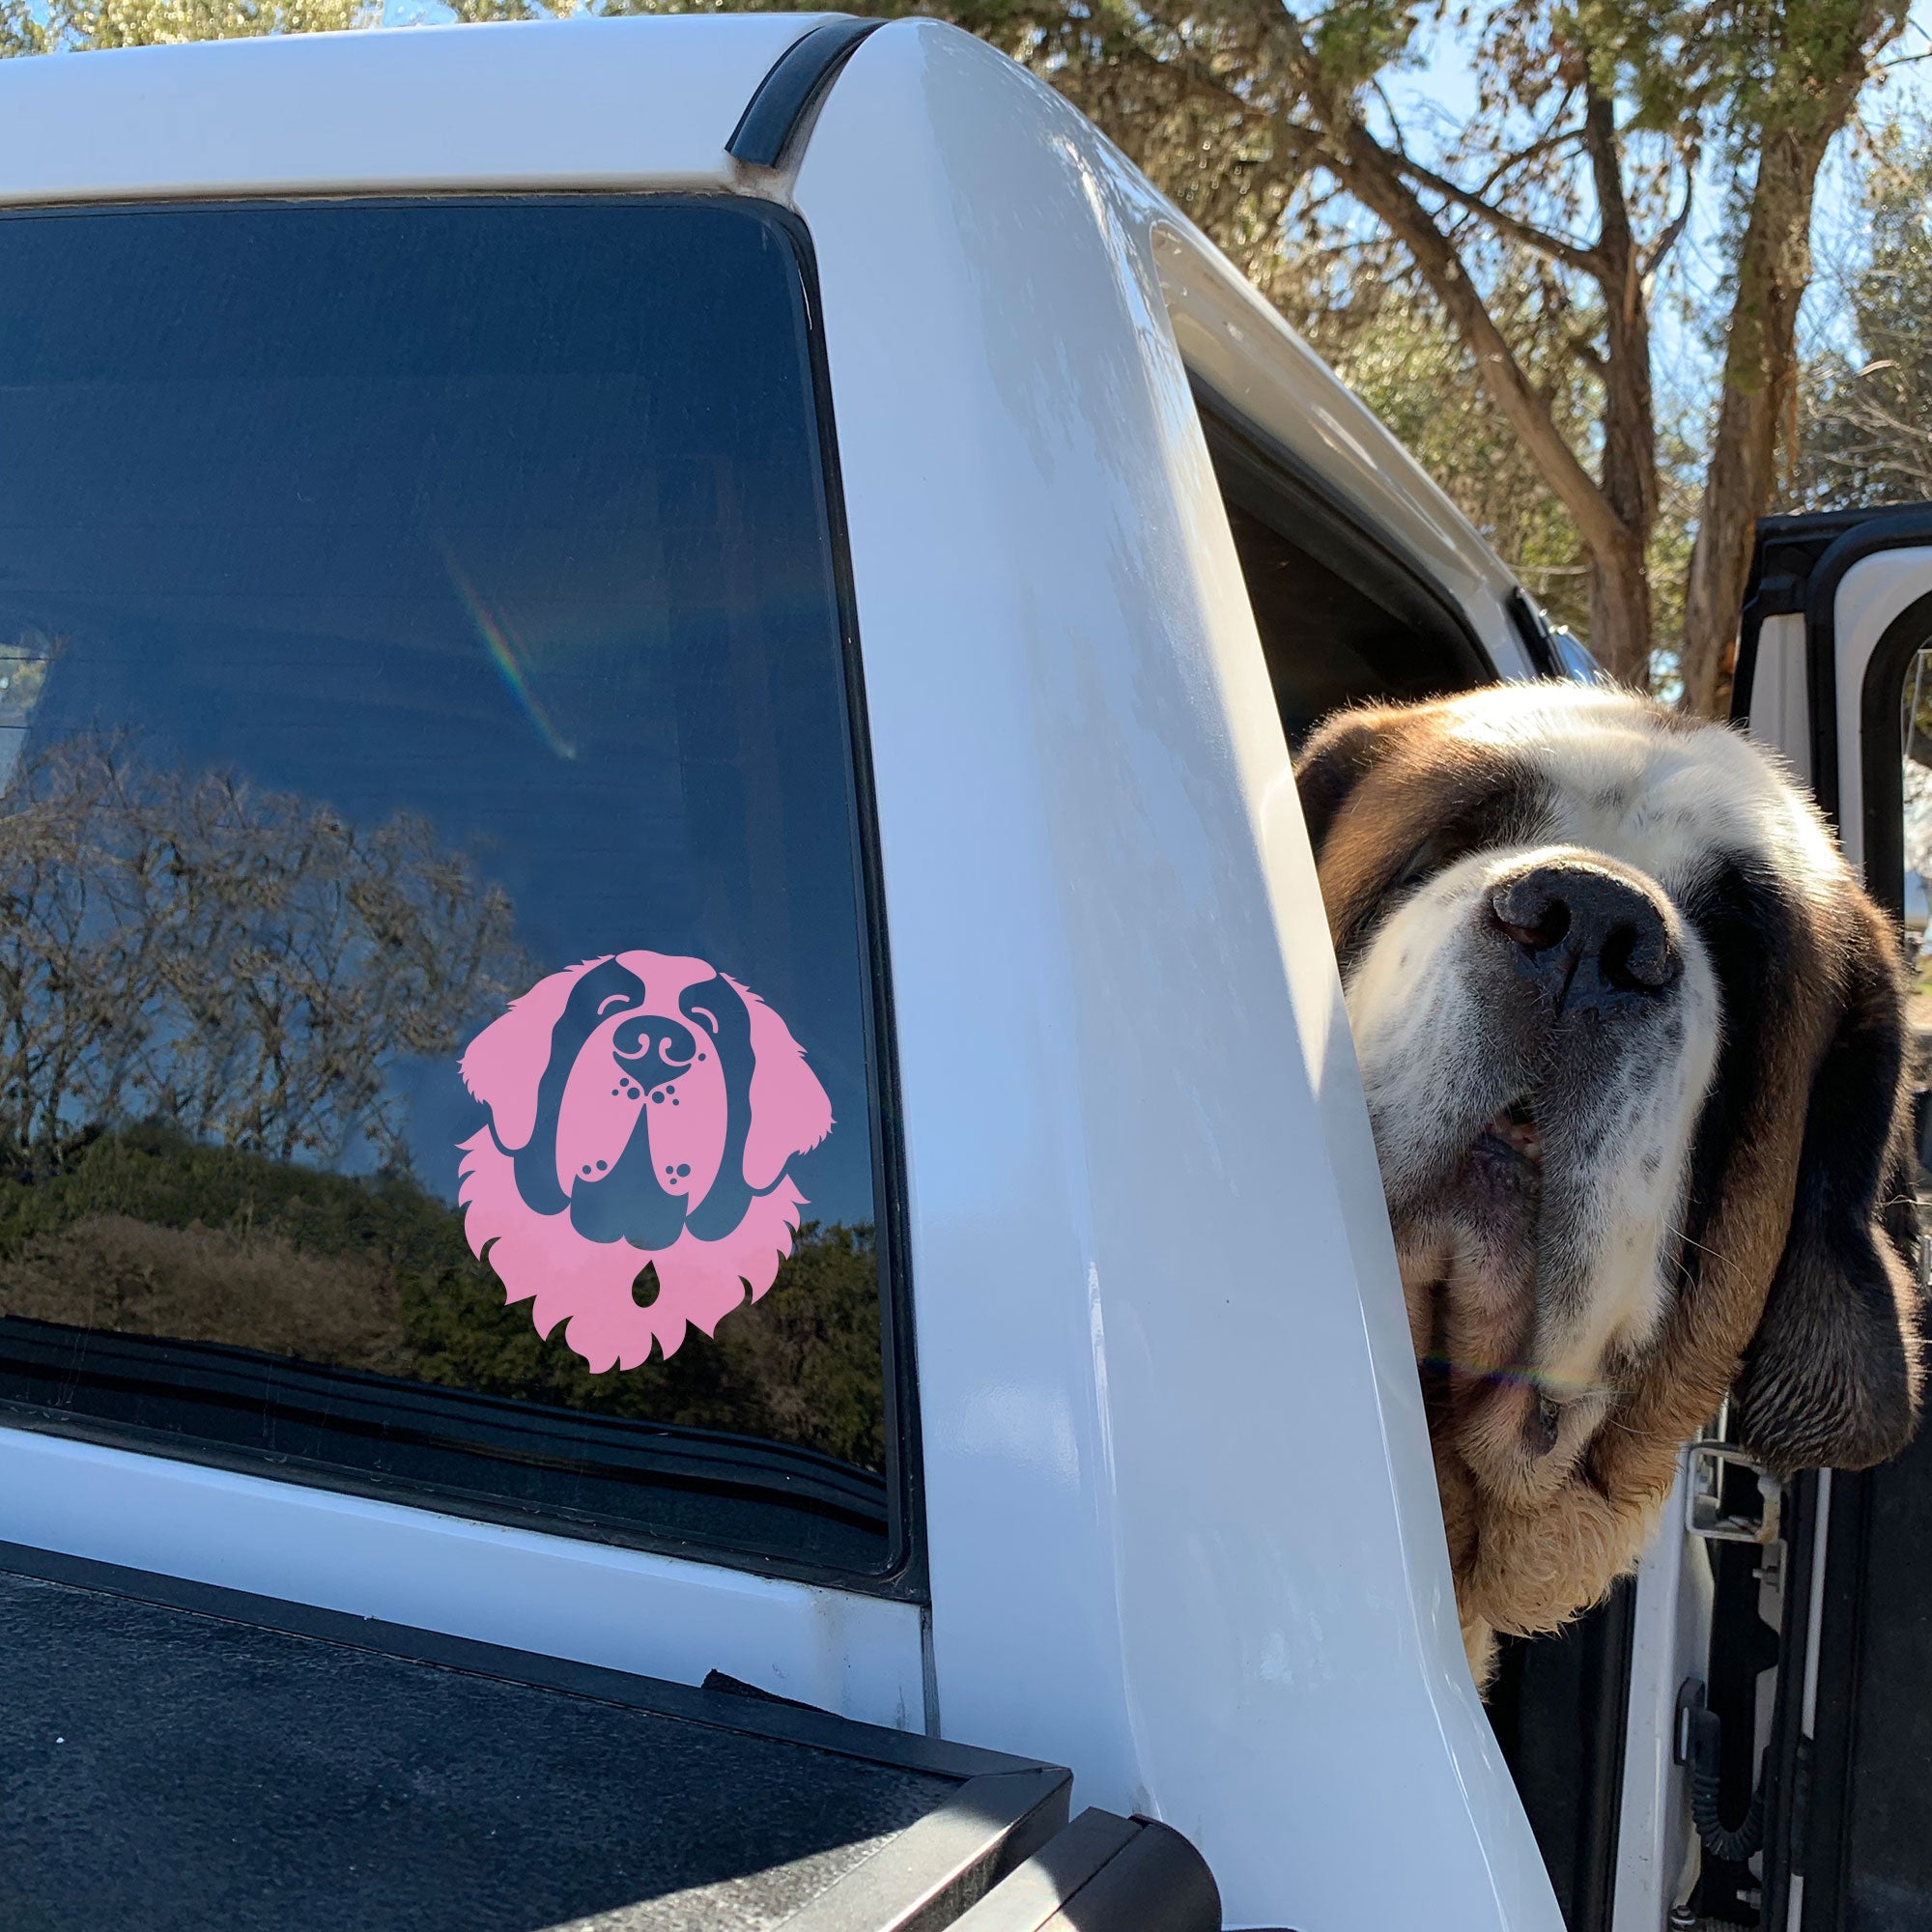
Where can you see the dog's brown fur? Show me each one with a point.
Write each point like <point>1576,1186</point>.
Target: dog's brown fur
<point>1796,1288</point>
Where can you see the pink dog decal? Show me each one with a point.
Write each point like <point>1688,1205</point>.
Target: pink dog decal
<point>643,1108</point>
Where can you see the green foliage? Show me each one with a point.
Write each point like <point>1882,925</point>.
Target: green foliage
<point>74,24</point>
<point>1392,347</point>
<point>1866,405</point>
<point>1242,114</point>
<point>147,1232</point>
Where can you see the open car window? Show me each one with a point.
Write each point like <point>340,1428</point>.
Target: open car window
<point>1343,620</point>
<point>439,1045</point>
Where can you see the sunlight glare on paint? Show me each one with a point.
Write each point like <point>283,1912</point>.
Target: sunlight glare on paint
<point>502,645</point>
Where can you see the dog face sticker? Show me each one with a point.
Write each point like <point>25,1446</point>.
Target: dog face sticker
<point>643,1108</point>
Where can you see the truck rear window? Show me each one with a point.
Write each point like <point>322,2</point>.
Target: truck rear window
<point>439,1051</point>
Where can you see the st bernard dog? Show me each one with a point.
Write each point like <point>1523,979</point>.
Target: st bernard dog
<point>1634,1042</point>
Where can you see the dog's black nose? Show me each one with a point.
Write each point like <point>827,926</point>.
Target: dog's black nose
<point>1588,938</point>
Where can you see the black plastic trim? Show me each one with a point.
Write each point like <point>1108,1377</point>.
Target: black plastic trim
<point>778,112</point>
<point>1539,647</point>
<point>1160,1883</point>
<point>1031,1896</point>
<point>1799,564</point>
<point>1811,1814</point>
<point>1608,1735</point>
<point>924,1876</point>
<point>1147,1879</point>
<point>722,1710</point>
<point>907,1572</point>
<point>1783,557</point>
<point>1787,1825</point>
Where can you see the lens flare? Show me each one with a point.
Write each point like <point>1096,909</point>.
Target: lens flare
<point>502,645</point>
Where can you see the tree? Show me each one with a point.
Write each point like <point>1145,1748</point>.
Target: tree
<point>69,24</point>
<point>241,965</point>
<point>1531,239</point>
<point>1539,228</point>
<point>1866,404</point>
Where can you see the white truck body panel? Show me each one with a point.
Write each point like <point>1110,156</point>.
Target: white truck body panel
<point>1181,1518</point>
<point>412,108</point>
<point>1181,1513</point>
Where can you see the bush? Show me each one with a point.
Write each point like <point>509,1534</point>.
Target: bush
<point>147,1232</point>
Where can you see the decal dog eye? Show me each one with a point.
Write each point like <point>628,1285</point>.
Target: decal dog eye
<point>643,1111</point>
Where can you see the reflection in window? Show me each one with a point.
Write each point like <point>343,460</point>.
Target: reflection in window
<point>401,606</point>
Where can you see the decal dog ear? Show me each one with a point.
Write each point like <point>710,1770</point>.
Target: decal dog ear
<point>775,1106</point>
<point>494,1064</point>
<point>791,1111</point>
<point>1831,1378</point>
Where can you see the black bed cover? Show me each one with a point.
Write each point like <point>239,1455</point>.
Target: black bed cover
<point>174,1757</point>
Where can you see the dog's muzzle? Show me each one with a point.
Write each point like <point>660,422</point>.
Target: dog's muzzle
<point>1578,968</point>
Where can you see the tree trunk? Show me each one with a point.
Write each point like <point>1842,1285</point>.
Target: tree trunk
<point>1760,371</point>
<point>1761,357</point>
<point>1620,633</point>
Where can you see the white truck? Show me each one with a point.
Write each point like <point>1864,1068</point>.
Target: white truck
<point>754,559</point>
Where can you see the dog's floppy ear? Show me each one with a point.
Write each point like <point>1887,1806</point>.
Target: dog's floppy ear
<point>1831,1379</point>
<point>1339,754</point>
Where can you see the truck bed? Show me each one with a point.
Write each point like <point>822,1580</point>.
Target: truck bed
<point>175,1756</point>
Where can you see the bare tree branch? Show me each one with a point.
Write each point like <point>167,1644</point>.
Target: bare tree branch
<point>1556,247</point>
<point>1376,178</point>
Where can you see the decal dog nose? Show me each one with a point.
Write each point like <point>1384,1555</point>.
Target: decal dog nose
<point>1586,937</point>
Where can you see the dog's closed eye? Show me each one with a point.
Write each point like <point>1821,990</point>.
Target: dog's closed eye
<point>1423,862</point>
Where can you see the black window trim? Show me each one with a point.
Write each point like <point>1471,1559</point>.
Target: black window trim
<point>904,1575</point>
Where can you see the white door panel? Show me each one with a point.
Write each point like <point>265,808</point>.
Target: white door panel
<point>1780,714</point>
<point>1871,595</point>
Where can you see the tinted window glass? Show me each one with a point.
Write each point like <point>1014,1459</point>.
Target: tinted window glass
<point>435,976</point>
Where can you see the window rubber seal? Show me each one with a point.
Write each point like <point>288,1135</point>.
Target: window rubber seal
<point>777,119</point>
